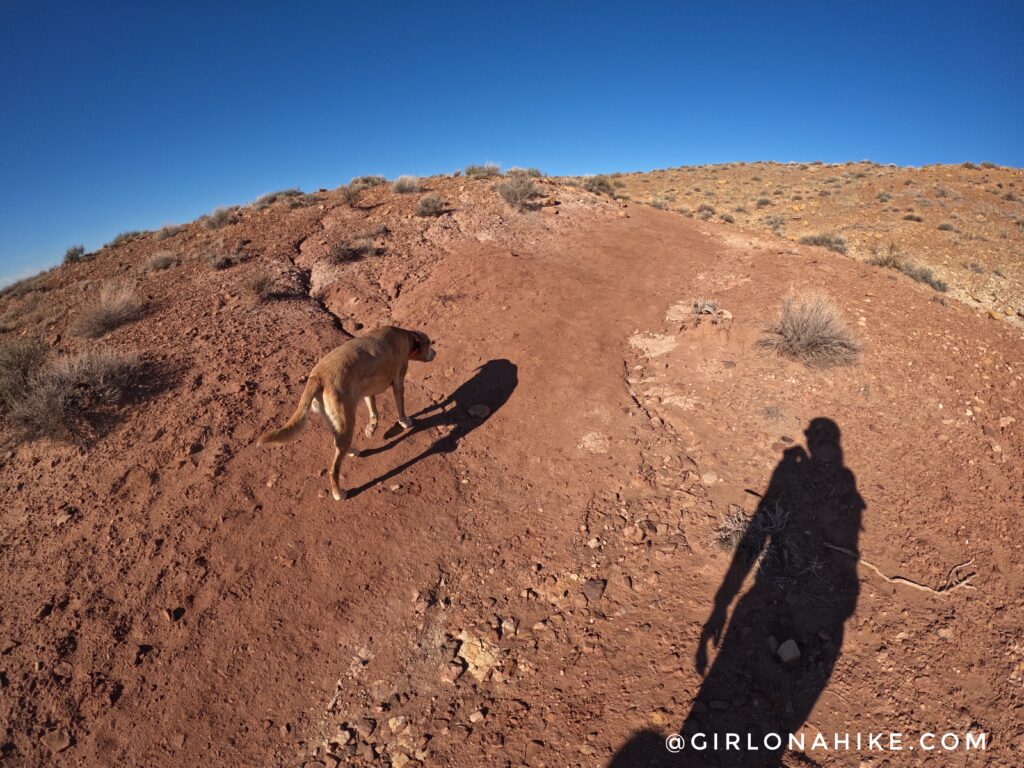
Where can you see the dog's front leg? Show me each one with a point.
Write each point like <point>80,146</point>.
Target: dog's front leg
<point>399,389</point>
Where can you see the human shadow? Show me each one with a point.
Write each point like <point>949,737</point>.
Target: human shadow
<point>803,592</point>
<point>490,386</point>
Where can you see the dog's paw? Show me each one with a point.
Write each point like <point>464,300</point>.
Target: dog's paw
<point>406,424</point>
<point>340,495</point>
<point>370,429</point>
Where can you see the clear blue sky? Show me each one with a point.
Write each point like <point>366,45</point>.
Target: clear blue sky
<point>130,115</point>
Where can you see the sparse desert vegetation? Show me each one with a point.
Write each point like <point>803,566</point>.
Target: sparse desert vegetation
<point>406,185</point>
<point>220,217</point>
<point>518,191</point>
<point>260,284</point>
<point>117,304</point>
<point>482,171</point>
<point>159,261</point>
<point>810,329</point>
<point>599,185</point>
<point>826,240</point>
<point>430,205</point>
<point>74,254</point>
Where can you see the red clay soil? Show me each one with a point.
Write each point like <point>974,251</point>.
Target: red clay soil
<point>525,583</point>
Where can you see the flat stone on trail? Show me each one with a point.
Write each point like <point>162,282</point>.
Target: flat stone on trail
<point>593,589</point>
<point>789,651</point>
<point>479,411</point>
<point>57,741</point>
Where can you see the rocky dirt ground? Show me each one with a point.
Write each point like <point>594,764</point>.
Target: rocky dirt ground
<point>523,578</point>
<point>963,221</point>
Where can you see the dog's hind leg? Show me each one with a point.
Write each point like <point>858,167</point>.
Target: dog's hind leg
<point>371,405</point>
<point>342,416</point>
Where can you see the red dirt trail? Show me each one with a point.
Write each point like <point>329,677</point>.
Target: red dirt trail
<point>526,587</point>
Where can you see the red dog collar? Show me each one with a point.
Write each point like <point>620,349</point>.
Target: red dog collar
<point>414,345</point>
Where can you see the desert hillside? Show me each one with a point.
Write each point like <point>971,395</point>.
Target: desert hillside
<point>963,222</point>
<point>617,449</point>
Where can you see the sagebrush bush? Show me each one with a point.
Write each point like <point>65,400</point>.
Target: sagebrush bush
<point>340,253</point>
<point>810,329</point>
<point>124,237</point>
<point>487,169</point>
<point>60,399</point>
<point>884,197</point>
<point>826,240</point>
<point>406,184</point>
<point>160,260</point>
<point>260,284</point>
<point>924,275</point>
<point>705,211</point>
<point>946,227</point>
<point>217,261</point>
<point>350,194</point>
<point>599,185</point>
<point>116,305</point>
<point>20,358</point>
<point>531,172</point>
<point>359,183</point>
<point>273,197</point>
<point>220,217</point>
<point>430,205</point>
<point>913,217</point>
<point>518,191</point>
<point>74,254</point>
<point>169,231</point>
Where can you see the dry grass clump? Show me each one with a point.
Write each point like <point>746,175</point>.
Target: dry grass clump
<point>518,191</point>
<point>117,304</point>
<point>360,183</point>
<point>169,231</point>
<point>705,211</point>
<point>220,217</point>
<point>274,197</point>
<point>430,205</point>
<point>599,185</point>
<point>341,253</point>
<point>125,237</point>
<point>810,329</point>
<point>893,259</point>
<point>487,169</point>
<point>260,284</point>
<point>826,240</point>
<point>218,261</point>
<point>20,358</point>
<point>531,172</point>
<point>406,185</point>
<point>160,260</point>
<point>63,399</point>
<point>74,254</point>
<point>913,217</point>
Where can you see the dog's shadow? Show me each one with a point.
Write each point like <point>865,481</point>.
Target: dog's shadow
<point>490,386</point>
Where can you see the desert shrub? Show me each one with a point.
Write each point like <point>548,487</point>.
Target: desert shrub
<point>826,240</point>
<point>913,217</point>
<point>220,217</point>
<point>763,201</point>
<point>658,203</point>
<point>352,251</point>
<point>74,254</point>
<point>884,197</point>
<point>350,194</point>
<point>359,183</point>
<point>989,165</point>
<point>774,223</point>
<point>160,260</point>
<point>969,165</point>
<point>518,191</point>
<point>23,287</point>
<point>599,185</point>
<point>924,275</point>
<point>487,169</point>
<point>946,227</point>
<point>531,172</point>
<point>124,237</point>
<point>260,284</point>
<point>116,305</point>
<point>60,399</point>
<point>705,211</point>
<point>891,259</point>
<point>727,218</point>
<point>169,231</point>
<point>430,205</point>
<point>1009,197</point>
<point>810,329</point>
<point>217,261</point>
<point>941,192</point>
<point>20,358</point>
<point>406,184</point>
<point>974,267</point>
<point>273,197</point>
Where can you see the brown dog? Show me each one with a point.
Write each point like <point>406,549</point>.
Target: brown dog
<point>360,368</point>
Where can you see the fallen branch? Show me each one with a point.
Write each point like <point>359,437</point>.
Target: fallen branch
<point>953,579</point>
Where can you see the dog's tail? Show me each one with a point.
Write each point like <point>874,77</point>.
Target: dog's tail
<point>294,426</point>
